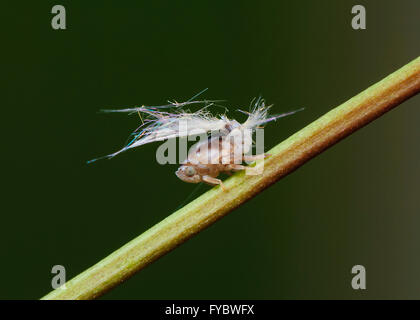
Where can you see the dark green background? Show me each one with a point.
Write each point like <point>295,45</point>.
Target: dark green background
<point>357,203</point>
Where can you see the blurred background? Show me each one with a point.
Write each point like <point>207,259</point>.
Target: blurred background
<point>356,203</point>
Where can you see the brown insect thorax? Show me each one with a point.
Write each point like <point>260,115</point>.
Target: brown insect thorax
<point>223,152</point>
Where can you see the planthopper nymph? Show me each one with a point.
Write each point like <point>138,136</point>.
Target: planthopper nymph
<point>225,144</point>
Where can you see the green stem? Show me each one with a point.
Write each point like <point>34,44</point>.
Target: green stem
<point>214,204</point>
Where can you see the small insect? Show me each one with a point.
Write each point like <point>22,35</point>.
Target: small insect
<point>227,144</point>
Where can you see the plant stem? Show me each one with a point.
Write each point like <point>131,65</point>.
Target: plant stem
<point>214,204</point>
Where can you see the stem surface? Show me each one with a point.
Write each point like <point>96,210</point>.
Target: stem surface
<point>214,204</point>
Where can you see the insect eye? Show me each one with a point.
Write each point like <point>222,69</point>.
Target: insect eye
<point>189,171</point>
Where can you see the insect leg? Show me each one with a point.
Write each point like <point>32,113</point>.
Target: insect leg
<point>239,167</point>
<point>214,182</point>
<point>236,167</point>
<point>256,157</point>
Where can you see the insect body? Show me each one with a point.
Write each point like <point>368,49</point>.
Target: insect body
<point>220,154</point>
<point>227,145</point>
